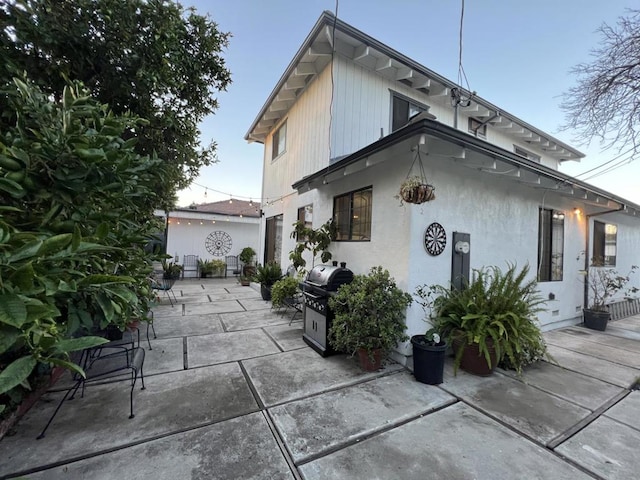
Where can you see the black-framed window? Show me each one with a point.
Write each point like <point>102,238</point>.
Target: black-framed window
<point>475,126</point>
<point>605,244</point>
<point>402,109</point>
<point>550,245</point>
<point>279,141</point>
<point>352,214</point>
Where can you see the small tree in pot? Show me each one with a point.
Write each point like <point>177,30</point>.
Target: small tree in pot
<point>369,317</point>
<point>428,349</point>
<point>603,283</point>
<point>246,257</point>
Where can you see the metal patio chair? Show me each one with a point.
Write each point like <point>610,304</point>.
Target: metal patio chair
<point>164,285</point>
<point>190,264</point>
<point>102,362</point>
<point>233,264</point>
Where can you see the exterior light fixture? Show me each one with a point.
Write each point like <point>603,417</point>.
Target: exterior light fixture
<point>577,211</point>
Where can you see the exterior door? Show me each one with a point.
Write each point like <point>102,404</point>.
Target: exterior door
<point>273,240</point>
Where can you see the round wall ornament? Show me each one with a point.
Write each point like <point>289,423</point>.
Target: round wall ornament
<point>218,243</point>
<point>435,239</point>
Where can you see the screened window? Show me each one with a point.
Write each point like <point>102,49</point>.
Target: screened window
<point>550,245</point>
<point>352,214</point>
<point>279,144</point>
<point>402,110</point>
<point>605,238</point>
<point>526,154</point>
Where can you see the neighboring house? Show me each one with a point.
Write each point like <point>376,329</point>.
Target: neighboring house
<point>212,230</point>
<point>338,144</point>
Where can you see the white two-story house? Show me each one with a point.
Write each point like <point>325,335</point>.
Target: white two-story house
<point>338,142</point>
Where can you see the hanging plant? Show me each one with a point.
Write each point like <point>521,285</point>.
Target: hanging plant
<point>415,189</point>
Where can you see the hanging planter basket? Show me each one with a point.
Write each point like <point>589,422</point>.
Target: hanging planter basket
<point>415,188</point>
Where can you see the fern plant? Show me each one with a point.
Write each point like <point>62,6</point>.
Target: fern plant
<point>496,305</point>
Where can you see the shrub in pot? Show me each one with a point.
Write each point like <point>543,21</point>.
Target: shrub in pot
<point>246,257</point>
<point>171,270</point>
<point>603,284</point>
<point>266,275</point>
<point>369,317</point>
<point>491,319</point>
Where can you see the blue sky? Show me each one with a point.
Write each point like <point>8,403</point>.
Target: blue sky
<point>516,54</point>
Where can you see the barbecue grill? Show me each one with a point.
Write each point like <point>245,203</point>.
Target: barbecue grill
<point>322,282</point>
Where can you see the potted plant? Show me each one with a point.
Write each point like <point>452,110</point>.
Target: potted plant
<point>603,283</point>
<point>428,357</point>
<point>492,318</point>
<point>245,281</point>
<point>284,291</point>
<point>369,317</point>
<point>246,257</point>
<point>171,270</point>
<point>314,241</point>
<point>266,275</point>
<point>415,190</point>
<point>205,267</point>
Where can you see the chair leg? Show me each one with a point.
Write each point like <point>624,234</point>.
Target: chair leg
<point>166,292</point>
<point>174,296</point>
<point>75,389</point>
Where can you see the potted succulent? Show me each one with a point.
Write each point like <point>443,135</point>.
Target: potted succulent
<point>491,319</point>
<point>246,257</point>
<point>266,275</point>
<point>369,317</point>
<point>415,190</point>
<point>603,283</point>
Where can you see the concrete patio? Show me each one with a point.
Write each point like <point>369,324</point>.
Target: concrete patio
<point>234,393</point>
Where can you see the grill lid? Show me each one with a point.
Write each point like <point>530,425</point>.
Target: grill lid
<point>329,277</point>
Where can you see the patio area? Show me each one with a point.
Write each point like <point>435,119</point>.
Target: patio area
<point>233,392</point>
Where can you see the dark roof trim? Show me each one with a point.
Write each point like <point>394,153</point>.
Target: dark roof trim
<point>440,130</point>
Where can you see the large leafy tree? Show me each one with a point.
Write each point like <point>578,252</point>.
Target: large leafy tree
<point>605,103</point>
<point>152,58</point>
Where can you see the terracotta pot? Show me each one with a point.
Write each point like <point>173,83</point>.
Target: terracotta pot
<point>419,194</point>
<point>474,362</point>
<point>372,362</point>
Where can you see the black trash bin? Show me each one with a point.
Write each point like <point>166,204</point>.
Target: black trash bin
<point>428,360</point>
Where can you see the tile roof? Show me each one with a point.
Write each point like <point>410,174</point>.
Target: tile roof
<point>223,207</point>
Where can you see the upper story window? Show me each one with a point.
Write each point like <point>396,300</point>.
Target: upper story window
<point>402,109</point>
<point>550,245</point>
<point>279,141</point>
<point>605,238</point>
<point>526,154</point>
<point>352,214</point>
<point>476,128</point>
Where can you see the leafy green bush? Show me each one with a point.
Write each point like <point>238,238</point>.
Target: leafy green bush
<point>76,212</point>
<point>494,305</point>
<point>369,313</point>
<point>284,288</point>
<point>268,274</point>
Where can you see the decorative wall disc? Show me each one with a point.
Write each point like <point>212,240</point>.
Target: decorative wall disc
<point>435,239</point>
<point>218,243</point>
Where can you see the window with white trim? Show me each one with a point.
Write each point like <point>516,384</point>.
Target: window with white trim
<point>476,128</point>
<point>279,141</point>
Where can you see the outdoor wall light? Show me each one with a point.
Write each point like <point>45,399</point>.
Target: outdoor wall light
<point>558,215</point>
<point>577,211</point>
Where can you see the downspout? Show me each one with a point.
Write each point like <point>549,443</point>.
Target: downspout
<point>585,301</point>
<point>492,117</point>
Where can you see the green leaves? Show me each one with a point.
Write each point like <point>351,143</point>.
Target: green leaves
<point>13,310</point>
<point>16,373</point>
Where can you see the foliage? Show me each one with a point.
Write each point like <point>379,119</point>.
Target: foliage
<point>152,58</point>
<point>171,269</point>
<point>76,210</point>
<point>415,190</point>
<point>268,274</point>
<point>315,241</point>
<point>284,288</point>
<point>246,255</point>
<point>604,283</point>
<point>369,313</point>
<point>209,267</point>
<point>604,103</point>
<point>494,305</point>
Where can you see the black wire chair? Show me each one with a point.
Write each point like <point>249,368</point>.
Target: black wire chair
<point>164,285</point>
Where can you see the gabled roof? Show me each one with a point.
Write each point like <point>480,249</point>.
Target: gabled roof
<point>457,146</point>
<point>317,50</point>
